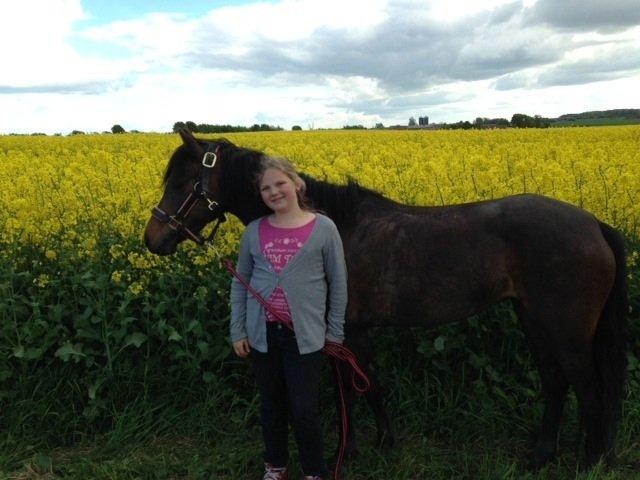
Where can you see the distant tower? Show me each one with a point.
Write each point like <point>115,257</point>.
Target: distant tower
<point>423,121</point>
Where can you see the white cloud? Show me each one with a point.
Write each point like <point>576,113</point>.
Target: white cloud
<point>328,62</point>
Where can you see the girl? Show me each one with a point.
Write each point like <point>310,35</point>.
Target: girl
<point>294,259</point>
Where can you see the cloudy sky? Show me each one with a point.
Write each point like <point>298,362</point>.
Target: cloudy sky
<point>89,64</point>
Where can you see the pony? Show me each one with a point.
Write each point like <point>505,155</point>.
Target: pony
<point>563,270</point>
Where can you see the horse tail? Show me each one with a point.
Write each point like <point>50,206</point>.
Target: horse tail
<point>611,339</point>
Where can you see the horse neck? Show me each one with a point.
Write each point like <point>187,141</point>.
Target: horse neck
<point>344,204</point>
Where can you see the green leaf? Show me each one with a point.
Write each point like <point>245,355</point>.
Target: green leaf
<point>93,389</point>
<point>136,339</point>
<point>203,346</point>
<point>33,353</point>
<point>175,336</point>
<point>193,325</point>
<point>18,351</point>
<point>68,350</point>
<point>438,344</point>
<point>43,463</point>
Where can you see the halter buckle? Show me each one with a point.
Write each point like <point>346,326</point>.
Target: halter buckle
<point>174,223</point>
<point>212,204</point>
<point>209,159</point>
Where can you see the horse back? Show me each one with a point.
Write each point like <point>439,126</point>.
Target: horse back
<point>434,265</point>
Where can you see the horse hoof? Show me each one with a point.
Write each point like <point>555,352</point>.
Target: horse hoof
<point>542,457</point>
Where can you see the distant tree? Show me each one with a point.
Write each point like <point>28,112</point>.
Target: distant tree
<point>296,127</point>
<point>353,127</point>
<point>192,127</point>
<point>117,129</point>
<point>520,120</point>
<point>379,125</point>
<point>179,126</point>
<point>412,122</point>
<point>541,122</point>
<point>77,132</point>
<point>499,121</point>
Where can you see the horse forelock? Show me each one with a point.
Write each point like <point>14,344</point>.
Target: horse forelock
<point>181,157</point>
<point>176,163</point>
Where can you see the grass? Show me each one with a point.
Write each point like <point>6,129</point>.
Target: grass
<point>446,430</point>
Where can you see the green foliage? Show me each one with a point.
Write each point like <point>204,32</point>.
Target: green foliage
<point>208,128</point>
<point>92,364</point>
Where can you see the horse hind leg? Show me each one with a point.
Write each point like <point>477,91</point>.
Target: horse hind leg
<point>554,388</point>
<point>570,336</point>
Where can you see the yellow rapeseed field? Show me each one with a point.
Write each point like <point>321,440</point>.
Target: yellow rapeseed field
<point>72,191</point>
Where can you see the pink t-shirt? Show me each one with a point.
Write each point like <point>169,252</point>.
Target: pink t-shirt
<point>279,245</point>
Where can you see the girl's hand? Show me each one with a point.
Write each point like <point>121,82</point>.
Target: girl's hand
<point>241,347</point>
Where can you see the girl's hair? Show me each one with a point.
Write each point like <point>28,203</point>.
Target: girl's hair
<point>286,167</point>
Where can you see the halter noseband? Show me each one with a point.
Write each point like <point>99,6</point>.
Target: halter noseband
<point>200,191</point>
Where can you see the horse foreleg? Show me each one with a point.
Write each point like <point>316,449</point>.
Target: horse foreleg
<point>386,436</point>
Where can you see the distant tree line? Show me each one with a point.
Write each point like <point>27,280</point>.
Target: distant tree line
<point>207,128</point>
<point>617,113</point>
<point>519,120</point>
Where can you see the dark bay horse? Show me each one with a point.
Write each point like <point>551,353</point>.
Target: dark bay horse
<point>564,271</point>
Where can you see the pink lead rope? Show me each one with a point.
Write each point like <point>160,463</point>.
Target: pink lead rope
<point>335,351</point>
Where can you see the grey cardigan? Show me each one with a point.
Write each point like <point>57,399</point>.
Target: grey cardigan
<point>314,283</point>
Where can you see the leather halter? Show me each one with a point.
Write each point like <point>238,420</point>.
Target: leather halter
<point>200,192</point>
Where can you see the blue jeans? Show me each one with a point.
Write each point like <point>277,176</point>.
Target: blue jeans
<point>289,383</point>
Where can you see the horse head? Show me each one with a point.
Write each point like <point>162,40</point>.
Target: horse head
<point>192,195</point>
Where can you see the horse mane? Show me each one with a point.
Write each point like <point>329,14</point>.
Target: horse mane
<point>240,167</point>
<point>340,202</point>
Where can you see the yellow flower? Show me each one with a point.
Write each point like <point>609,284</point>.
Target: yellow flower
<point>116,251</point>
<point>116,276</point>
<point>105,185</point>
<point>201,292</point>
<point>41,280</point>
<point>136,288</point>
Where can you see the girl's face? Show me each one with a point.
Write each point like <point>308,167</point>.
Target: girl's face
<point>278,191</point>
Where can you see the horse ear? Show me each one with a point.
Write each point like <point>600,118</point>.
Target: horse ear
<point>191,143</point>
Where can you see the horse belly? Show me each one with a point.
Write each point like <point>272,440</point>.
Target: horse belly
<point>413,286</point>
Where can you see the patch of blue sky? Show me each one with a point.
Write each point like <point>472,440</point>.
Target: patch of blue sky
<point>93,48</point>
<point>100,12</point>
